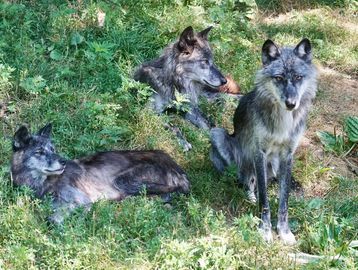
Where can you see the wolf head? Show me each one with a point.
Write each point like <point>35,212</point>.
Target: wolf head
<point>196,60</point>
<point>36,152</point>
<point>287,72</point>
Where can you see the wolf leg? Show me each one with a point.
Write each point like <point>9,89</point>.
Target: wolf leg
<point>61,210</point>
<point>133,182</point>
<point>222,152</point>
<point>196,118</point>
<point>283,228</point>
<point>181,139</point>
<point>247,179</point>
<point>69,198</point>
<point>261,173</point>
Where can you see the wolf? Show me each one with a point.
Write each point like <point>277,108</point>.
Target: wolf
<point>268,124</point>
<point>112,175</point>
<point>186,66</point>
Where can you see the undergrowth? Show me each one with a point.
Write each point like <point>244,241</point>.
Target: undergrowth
<point>57,64</point>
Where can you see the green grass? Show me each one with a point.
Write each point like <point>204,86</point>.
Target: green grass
<point>57,65</point>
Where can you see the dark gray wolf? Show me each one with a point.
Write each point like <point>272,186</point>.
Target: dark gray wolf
<point>112,175</point>
<point>186,66</point>
<point>268,124</point>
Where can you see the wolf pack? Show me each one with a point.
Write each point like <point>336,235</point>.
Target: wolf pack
<point>268,124</point>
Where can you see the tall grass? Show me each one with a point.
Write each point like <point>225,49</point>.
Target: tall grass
<point>58,65</point>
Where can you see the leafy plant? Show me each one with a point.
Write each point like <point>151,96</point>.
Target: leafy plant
<point>341,144</point>
<point>351,128</point>
<point>33,85</point>
<point>181,102</point>
<point>5,79</point>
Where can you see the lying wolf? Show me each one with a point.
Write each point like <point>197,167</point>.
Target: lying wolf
<point>112,175</point>
<point>268,124</point>
<point>186,66</point>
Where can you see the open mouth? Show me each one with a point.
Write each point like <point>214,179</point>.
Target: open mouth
<point>58,171</point>
<point>211,85</point>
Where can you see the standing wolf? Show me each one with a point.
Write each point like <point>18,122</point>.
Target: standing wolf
<point>187,66</point>
<point>112,175</point>
<point>268,124</point>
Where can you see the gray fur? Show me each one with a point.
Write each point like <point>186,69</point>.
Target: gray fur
<point>187,66</point>
<point>268,124</point>
<point>112,175</point>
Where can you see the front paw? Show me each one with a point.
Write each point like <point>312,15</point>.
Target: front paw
<point>186,146</point>
<point>251,196</point>
<point>286,237</point>
<point>56,219</point>
<point>266,233</point>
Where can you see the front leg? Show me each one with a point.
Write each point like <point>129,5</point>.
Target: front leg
<point>283,229</point>
<point>261,173</point>
<point>61,210</point>
<point>195,116</point>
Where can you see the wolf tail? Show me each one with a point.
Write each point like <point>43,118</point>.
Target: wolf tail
<point>224,150</point>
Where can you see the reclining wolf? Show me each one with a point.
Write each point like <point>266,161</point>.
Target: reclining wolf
<point>112,175</point>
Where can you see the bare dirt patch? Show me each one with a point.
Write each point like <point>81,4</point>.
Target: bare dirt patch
<point>337,98</point>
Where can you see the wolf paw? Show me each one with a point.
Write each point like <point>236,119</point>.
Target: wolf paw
<point>266,234</point>
<point>187,146</point>
<point>287,237</point>
<point>251,196</point>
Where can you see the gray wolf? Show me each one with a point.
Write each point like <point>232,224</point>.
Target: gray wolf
<point>268,124</point>
<point>112,175</point>
<point>186,66</point>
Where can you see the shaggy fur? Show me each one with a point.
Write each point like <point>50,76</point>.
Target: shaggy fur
<point>268,124</point>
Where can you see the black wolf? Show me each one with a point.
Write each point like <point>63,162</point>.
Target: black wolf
<point>186,66</point>
<point>268,124</point>
<point>112,175</point>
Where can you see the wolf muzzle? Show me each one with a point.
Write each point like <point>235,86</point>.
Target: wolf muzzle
<point>291,97</point>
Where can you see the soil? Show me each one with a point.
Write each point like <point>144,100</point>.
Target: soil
<point>336,99</point>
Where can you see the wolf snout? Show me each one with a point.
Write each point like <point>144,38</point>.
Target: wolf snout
<point>290,104</point>
<point>223,80</point>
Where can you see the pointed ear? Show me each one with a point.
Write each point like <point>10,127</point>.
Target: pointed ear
<point>187,40</point>
<point>270,52</point>
<point>204,34</point>
<point>45,131</point>
<point>21,138</point>
<point>304,50</point>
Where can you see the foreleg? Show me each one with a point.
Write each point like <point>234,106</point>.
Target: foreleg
<point>261,173</point>
<point>283,229</point>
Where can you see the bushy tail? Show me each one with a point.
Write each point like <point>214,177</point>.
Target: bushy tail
<point>224,150</point>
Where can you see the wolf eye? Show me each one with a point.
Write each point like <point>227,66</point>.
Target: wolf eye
<point>298,77</point>
<point>278,78</point>
<point>205,62</point>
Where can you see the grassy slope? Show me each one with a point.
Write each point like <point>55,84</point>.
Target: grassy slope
<point>57,65</point>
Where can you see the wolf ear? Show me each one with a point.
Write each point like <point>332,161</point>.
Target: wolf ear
<point>21,138</point>
<point>204,34</point>
<point>187,40</point>
<point>45,131</point>
<point>304,50</point>
<point>270,52</point>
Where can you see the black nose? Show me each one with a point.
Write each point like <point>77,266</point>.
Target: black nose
<point>290,105</point>
<point>223,80</point>
<point>63,162</point>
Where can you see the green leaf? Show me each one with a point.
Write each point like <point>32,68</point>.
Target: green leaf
<point>327,139</point>
<point>33,85</point>
<point>351,128</point>
<point>76,39</point>
<point>55,55</point>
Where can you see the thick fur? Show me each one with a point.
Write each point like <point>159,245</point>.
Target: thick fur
<point>186,66</point>
<point>112,175</point>
<point>268,124</point>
